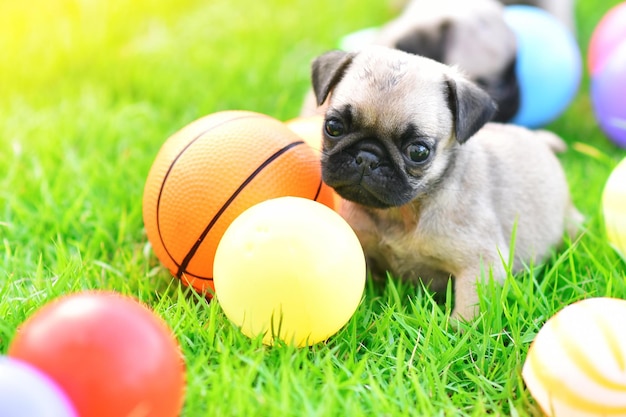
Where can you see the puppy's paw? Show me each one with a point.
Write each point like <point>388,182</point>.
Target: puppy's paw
<point>465,313</point>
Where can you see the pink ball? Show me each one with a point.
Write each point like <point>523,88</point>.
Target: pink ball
<point>609,33</point>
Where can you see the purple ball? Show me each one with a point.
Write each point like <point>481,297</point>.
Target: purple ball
<point>608,95</point>
<point>26,392</point>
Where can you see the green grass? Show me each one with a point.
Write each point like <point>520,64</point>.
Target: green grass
<point>89,90</point>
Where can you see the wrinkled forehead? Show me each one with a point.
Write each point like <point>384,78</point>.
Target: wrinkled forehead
<point>386,91</point>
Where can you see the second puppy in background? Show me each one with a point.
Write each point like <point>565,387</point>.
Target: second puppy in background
<point>470,34</point>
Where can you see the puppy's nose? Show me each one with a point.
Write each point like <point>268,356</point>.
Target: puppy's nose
<point>367,160</point>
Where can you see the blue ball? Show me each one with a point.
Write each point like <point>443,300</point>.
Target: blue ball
<point>549,65</point>
<point>26,392</point>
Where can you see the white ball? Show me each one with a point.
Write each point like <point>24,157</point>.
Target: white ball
<point>576,366</point>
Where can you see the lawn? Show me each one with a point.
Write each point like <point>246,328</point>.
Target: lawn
<point>89,90</point>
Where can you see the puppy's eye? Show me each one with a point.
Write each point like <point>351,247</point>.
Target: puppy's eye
<point>334,128</point>
<point>417,152</point>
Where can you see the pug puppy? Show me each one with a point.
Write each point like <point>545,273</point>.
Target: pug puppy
<point>433,191</point>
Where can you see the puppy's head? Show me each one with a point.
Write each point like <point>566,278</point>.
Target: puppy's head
<point>393,124</point>
<point>470,34</point>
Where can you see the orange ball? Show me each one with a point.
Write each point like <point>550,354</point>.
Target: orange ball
<point>212,170</point>
<point>309,128</point>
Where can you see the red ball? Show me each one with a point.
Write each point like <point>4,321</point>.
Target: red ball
<point>111,355</point>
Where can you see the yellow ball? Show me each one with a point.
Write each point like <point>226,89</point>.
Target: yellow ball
<point>614,207</point>
<point>291,269</point>
<point>576,366</point>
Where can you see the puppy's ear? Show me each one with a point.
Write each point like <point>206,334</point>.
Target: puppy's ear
<point>470,105</point>
<point>431,42</point>
<point>327,71</point>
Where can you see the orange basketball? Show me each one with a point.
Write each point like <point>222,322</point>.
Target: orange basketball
<point>212,170</point>
<point>309,128</point>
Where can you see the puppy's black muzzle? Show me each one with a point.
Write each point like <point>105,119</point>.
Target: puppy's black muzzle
<point>368,158</point>
<point>364,173</point>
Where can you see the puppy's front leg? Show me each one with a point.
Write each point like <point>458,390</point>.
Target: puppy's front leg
<point>465,292</point>
<point>465,295</point>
